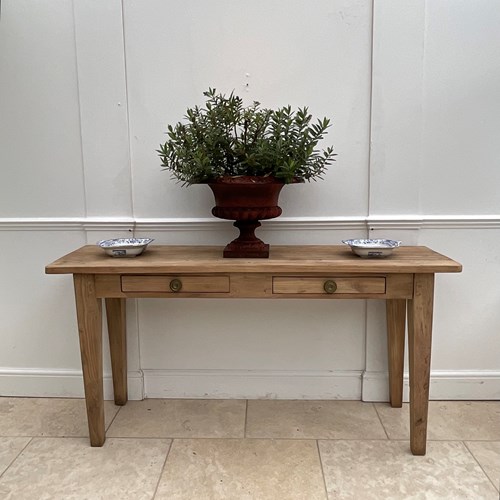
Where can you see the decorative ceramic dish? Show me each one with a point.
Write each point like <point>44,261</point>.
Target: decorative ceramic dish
<point>124,247</point>
<point>372,248</point>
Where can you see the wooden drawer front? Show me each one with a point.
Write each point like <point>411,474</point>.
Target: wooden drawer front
<point>170,284</point>
<point>305,285</point>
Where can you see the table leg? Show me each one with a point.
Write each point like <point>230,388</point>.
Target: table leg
<point>89,315</point>
<point>115,313</point>
<point>420,309</point>
<point>396,322</point>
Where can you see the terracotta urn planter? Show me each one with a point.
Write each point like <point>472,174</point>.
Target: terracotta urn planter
<point>246,154</point>
<point>246,200</point>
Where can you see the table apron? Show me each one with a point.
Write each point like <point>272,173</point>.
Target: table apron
<point>256,285</point>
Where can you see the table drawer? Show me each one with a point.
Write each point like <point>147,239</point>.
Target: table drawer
<point>176,284</point>
<point>328,285</point>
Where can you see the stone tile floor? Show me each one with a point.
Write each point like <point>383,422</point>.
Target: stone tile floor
<point>233,449</point>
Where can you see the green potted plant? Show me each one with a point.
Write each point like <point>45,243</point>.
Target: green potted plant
<point>246,154</point>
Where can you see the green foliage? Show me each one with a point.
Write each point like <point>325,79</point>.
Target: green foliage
<point>227,139</point>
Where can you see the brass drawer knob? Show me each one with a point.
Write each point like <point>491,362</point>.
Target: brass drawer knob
<point>330,286</point>
<point>176,285</point>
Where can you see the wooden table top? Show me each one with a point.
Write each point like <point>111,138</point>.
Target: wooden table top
<point>157,259</point>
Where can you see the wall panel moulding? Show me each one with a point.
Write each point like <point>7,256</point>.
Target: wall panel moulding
<point>433,221</point>
<point>282,224</point>
<point>184,224</point>
<point>65,224</point>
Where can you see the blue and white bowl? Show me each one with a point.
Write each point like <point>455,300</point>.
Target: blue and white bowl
<point>372,248</point>
<point>124,247</point>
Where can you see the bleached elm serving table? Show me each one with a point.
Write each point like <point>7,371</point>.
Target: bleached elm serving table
<point>405,280</point>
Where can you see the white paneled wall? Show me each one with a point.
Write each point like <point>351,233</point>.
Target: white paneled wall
<point>100,62</point>
<point>41,150</point>
<point>461,95</point>
<point>272,52</point>
<point>86,91</point>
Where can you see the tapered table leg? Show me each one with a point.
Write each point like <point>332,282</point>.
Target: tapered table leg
<point>115,313</point>
<point>89,315</point>
<point>396,322</point>
<point>420,309</point>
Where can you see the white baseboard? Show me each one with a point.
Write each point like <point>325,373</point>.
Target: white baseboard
<point>375,386</point>
<point>465,385</point>
<point>445,385</point>
<point>252,384</point>
<point>60,383</point>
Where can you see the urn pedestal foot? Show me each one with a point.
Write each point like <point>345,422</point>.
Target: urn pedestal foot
<point>246,200</point>
<point>247,245</point>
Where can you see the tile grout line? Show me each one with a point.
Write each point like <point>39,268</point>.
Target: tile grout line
<point>322,469</point>
<point>113,419</point>
<point>246,420</point>
<point>380,420</point>
<point>233,437</point>
<point>480,466</point>
<point>376,440</point>
<point>162,469</point>
<point>16,457</point>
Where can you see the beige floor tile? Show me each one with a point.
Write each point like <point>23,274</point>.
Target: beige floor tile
<point>180,418</point>
<point>242,469</point>
<point>9,449</point>
<point>313,420</point>
<point>47,417</point>
<point>488,456</point>
<point>448,420</point>
<point>69,469</point>
<point>386,470</point>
